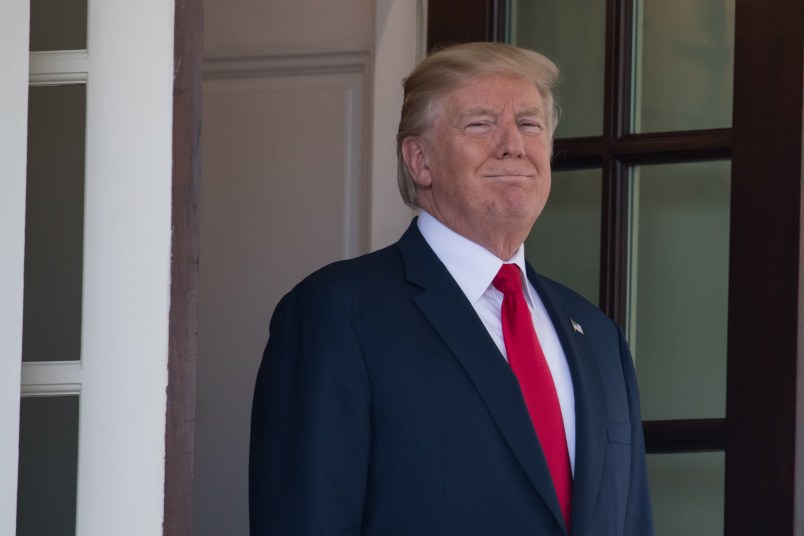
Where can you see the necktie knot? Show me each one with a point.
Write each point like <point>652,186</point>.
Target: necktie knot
<point>508,279</point>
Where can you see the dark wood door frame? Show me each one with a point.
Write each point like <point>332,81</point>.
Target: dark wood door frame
<point>450,22</point>
<point>763,433</point>
<point>765,378</point>
<point>183,329</point>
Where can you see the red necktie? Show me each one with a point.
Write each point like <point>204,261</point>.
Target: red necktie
<point>527,360</point>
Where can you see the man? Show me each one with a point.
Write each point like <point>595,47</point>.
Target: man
<point>406,392</point>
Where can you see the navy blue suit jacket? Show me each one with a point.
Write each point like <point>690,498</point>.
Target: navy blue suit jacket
<point>383,407</point>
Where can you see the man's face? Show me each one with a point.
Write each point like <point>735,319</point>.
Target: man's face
<point>484,163</point>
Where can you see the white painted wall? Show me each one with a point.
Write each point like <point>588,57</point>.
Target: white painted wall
<point>301,104</point>
<point>399,43</point>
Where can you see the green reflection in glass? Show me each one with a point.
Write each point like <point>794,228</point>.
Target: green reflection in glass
<point>565,241</point>
<point>58,25</point>
<point>687,493</point>
<point>679,288</point>
<point>573,34</point>
<point>54,224</point>
<point>48,465</point>
<point>683,64</point>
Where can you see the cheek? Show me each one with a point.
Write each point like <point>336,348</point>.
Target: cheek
<point>461,163</point>
<point>443,162</point>
<point>543,191</point>
<point>455,171</point>
<point>542,152</point>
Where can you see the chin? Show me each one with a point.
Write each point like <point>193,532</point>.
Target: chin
<point>522,206</point>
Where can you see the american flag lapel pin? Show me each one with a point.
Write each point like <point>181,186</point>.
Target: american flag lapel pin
<point>576,326</point>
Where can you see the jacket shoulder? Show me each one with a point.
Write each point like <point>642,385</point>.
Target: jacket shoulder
<point>357,275</point>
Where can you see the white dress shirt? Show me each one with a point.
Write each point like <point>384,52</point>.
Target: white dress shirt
<point>473,267</point>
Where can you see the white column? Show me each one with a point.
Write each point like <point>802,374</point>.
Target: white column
<point>13,147</point>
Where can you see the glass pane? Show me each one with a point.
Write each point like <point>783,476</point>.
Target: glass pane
<point>573,34</point>
<point>684,64</point>
<point>679,288</point>
<point>58,25</point>
<point>565,241</point>
<point>48,468</point>
<point>687,493</point>
<point>54,224</point>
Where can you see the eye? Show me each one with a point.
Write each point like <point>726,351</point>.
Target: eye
<point>482,125</point>
<point>531,125</point>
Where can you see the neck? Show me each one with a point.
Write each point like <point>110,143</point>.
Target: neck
<point>503,249</point>
<point>502,241</point>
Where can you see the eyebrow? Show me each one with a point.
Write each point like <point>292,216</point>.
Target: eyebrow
<point>476,112</point>
<point>534,110</point>
<point>479,111</point>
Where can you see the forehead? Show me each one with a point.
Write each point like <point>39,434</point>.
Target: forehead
<point>493,93</point>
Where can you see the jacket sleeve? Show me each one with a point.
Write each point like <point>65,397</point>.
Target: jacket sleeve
<point>638,513</point>
<point>310,433</point>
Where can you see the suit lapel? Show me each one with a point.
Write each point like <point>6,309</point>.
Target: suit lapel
<point>590,407</point>
<point>452,316</point>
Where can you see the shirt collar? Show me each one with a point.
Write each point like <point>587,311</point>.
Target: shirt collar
<point>471,265</point>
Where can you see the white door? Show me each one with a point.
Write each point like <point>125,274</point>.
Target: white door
<point>84,291</point>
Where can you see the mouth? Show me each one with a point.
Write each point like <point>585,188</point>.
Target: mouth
<point>509,174</point>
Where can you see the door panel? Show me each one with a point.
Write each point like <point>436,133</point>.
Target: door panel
<point>679,288</point>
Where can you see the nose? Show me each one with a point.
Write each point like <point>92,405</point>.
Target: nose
<point>510,143</point>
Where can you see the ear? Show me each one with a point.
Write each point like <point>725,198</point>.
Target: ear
<point>414,152</point>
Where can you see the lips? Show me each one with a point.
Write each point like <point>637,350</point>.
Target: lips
<point>512,173</point>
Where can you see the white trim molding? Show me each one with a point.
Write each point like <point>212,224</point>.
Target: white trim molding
<point>59,67</point>
<point>286,65</point>
<point>51,378</point>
